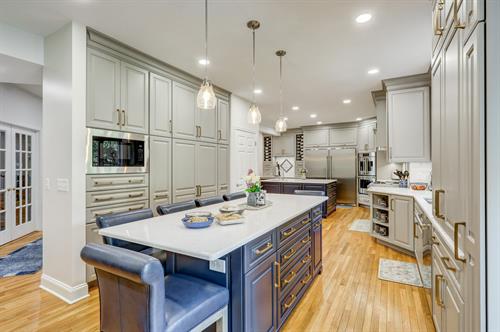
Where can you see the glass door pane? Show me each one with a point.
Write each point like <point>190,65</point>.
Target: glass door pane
<point>23,189</point>
<point>5,183</point>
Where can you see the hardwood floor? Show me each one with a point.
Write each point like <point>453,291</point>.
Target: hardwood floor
<point>347,296</point>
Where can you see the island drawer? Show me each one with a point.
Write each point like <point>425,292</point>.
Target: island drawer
<point>288,302</point>
<point>317,212</point>
<point>289,275</point>
<point>259,249</point>
<point>288,253</point>
<point>100,198</point>
<point>287,231</point>
<point>98,182</point>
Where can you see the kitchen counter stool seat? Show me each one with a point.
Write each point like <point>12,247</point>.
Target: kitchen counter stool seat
<point>233,196</point>
<point>175,207</point>
<point>208,201</point>
<point>150,301</point>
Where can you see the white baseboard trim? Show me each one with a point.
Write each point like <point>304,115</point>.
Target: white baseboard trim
<point>66,293</point>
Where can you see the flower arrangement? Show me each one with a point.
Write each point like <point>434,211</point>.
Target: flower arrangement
<point>253,182</point>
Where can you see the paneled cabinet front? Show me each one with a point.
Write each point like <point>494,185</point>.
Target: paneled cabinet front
<point>117,94</point>
<point>206,169</point>
<point>223,120</point>
<point>160,108</point>
<point>222,169</point>
<point>401,221</point>
<point>160,171</point>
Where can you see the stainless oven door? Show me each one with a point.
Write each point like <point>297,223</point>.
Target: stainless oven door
<point>116,152</point>
<point>363,183</point>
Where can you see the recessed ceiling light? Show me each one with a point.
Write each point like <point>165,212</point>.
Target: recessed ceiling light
<point>313,115</point>
<point>373,71</point>
<point>295,108</point>
<point>363,18</point>
<point>257,91</point>
<point>286,119</point>
<point>319,122</point>
<point>204,62</point>
<point>346,101</point>
<point>359,119</point>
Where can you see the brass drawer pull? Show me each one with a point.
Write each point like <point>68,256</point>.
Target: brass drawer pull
<point>306,279</point>
<point>161,195</point>
<point>123,119</point>
<point>289,232</point>
<point>455,241</point>
<point>277,267</point>
<point>446,263</point>
<point>119,117</point>
<point>437,205</point>
<point>135,195</point>
<point>306,259</point>
<point>290,255</point>
<point>135,208</point>
<point>288,305</point>
<point>103,199</point>
<point>103,213</point>
<point>456,20</point>
<point>99,183</point>
<point>135,181</point>
<point>304,241</point>
<point>437,294</point>
<point>289,280</point>
<point>306,221</point>
<point>266,248</point>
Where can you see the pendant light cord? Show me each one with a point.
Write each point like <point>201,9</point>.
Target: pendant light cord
<point>253,65</point>
<point>206,39</point>
<point>281,86</point>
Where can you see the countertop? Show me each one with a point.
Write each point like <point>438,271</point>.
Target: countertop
<point>168,233</point>
<point>294,180</point>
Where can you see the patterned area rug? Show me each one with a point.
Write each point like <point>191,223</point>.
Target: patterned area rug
<point>401,272</point>
<point>25,260</point>
<point>361,225</point>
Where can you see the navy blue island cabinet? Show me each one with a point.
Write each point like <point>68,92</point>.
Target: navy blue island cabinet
<point>268,276</point>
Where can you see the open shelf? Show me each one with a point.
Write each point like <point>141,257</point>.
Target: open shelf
<point>380,207</point>
<point>379,222</point>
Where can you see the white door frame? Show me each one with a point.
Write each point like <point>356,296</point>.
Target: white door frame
<point>233,178</point>
<point>5,235</point>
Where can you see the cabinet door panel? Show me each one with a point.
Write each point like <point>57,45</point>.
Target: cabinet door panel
<point>184,111</point>
<point>289,188</point>
<point>207,120</point>
<point>454,309</point>
<point>401,219</point>
<point>223,119</point>
<point>184,170</point>
<point>160,162</point>
<point>134,99</point>
<point>206,168</point>
<point>317,245</point>
<point>318,137</point>
<point>223,169</point>
<point>343,136</point>
<point>103,90</point>
<point>437,293</point>
<point>437,132</point>
<point>160,117</point>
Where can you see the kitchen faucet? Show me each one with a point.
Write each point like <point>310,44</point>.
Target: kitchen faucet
<point>279,169</point>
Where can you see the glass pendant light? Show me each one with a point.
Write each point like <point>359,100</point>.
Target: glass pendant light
<point>253,115</point>
<point>281,125</point>
<point>206,99</point>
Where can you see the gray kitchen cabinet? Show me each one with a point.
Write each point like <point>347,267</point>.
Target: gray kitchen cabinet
<point>223,122</point>
<point>284,145</point>
<point>437,120</point>
<point>261,297</point>
<point>316,137</point>
<point>184,112</point>
<point>160,171</point>
<point>401,221</point>
<point>206,169</point>
<point>206,120</point>
<point>222,169</point>
<point>408,119</point>
<point>184,170</point>
<point>343,136</point>
<point>103,90</point>
<point>366,136</point>
<point>134,98</point>
<point>160,108</point>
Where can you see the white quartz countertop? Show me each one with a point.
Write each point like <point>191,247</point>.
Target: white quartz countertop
<point>168,232</point>
<point>293,180</point>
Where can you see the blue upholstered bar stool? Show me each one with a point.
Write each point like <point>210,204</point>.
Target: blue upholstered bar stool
<point>233,196</point>
<point>135,295</point>
<point>124,218</point>
<point>175,207</point>
<point>208,201</point>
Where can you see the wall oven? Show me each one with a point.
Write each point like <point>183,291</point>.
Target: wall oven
<point>116,152</point>
<point>364,182</point>
<point>367,164</point>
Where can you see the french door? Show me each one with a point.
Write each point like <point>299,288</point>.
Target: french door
<point>16,183</point>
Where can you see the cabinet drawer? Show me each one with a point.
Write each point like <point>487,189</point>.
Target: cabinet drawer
<point>452,269</point>
<point>101,198</point>
<point>287,231</point>
<point>287,254</point>
<point>93,212</point>
<point>116,181</point>
<point>288,302</point>
<point>290,274</point>
<point>317,212</point>
<point>259,249</point>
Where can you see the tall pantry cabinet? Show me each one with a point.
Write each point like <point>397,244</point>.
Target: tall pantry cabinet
<point>458,107</point>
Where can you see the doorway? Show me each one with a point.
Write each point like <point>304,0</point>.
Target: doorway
<point>243,157</point>
<point>17,149</point>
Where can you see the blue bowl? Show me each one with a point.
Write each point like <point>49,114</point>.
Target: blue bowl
<point>203,224</point>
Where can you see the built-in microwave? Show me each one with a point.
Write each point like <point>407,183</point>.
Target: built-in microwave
<point>116,152</point>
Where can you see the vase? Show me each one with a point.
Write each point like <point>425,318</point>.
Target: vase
<point>256,198</point>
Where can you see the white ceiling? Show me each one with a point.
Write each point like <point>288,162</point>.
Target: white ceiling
<point>328,53</point>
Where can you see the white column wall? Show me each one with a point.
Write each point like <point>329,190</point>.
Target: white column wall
<point>63,163</point>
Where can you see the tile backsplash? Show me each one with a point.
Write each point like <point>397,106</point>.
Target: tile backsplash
<point>287,166</point>
<point>420,172</point>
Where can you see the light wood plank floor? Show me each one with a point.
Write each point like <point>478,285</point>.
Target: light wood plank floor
<point>347,296</point>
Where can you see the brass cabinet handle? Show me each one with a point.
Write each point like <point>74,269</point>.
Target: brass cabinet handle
<point>304,241</point>
<point>455,241</point>
<point>415,230</point>
<point>119,117</point>
<point>170,125</point>
<point>306,279</point>
<point>135,195</point>
<point>277,283</point>
<point>437,280</point>
<point>288,305</point>
<point>456,20</point>
<point>220,135</point>
<point>290,255</point>
<point>392,204</point>
<point>124,117</point>
<point>446,263</point>
<point>102,199</point>
<point>306,259</point>
<point>135,181</point>
<point>266,248</point>
<point>435,240</point>
<point>438,29</point>
<point>138,207</point>
<point>437,205</point>
<point>99,183</point>
<point>103,213</point>
<point>289,232</point>
<point>289,280</point>
<point>161,196</point>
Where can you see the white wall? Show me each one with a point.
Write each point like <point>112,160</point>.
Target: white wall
<point>21,45</point>
<point>20,108</point>
<point>63,161</point>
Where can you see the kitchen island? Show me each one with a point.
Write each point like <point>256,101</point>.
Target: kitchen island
<point>289,185</point>
<point>267,263</point>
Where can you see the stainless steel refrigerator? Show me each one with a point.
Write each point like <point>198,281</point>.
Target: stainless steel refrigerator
<point>334,163</point>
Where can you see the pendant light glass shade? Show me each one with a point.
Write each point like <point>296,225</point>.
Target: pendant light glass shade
<point>280,125</point>
<point>253,115</point>
<point>206,99</point>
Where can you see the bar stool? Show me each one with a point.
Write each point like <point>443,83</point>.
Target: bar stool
<point>175,207</point>
<point>233,196</point>
<point>135,295</point>
<point>208,201</point>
